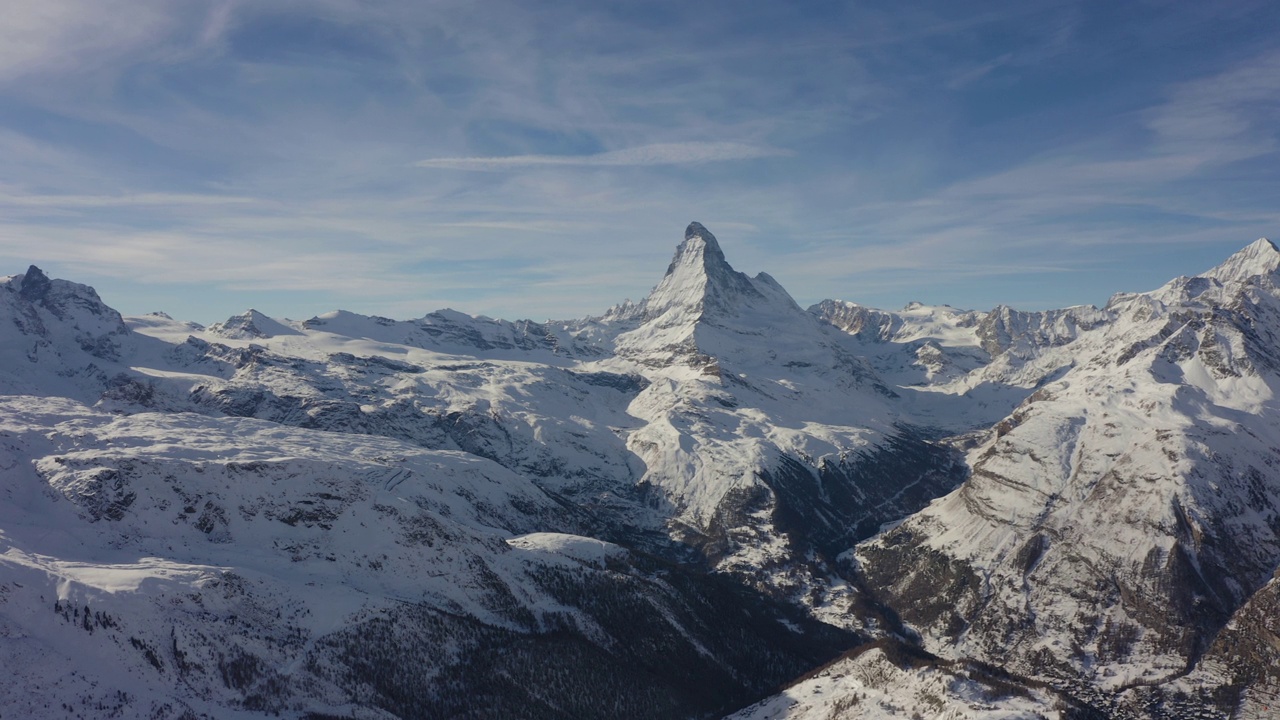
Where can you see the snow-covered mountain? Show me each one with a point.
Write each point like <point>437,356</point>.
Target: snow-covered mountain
<point>716,412</point>
<point>667,510</point>
<point>176,565</point>
<point>762,433</point>
<point>59,339</point>
<point>1117,520</point>
<point>431,484</point>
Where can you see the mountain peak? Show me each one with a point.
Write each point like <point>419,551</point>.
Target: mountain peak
<point>698,230</point>
<point>698,278</point>
<point>703,307</point>
<point>699,250</point>
<point>35,284</point>
<point>250,325</point>
<point>1261,257</point>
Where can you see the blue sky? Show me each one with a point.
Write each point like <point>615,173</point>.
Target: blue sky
<point>542,159</point>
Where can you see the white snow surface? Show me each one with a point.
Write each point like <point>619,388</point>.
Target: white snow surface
<point>870,686</point>
<point>572,547</point>
<point>155,470</point>
<point>264,536</point>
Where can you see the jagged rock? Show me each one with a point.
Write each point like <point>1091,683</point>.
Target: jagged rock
<point>35,285</point>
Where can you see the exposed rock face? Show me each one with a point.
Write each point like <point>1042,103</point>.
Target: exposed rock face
<point>1243,663</point>
<point>864,323</point>
<point>699,282</point>
<point>1022,333</point>
<point>703,308</point>
<point>34,285</point>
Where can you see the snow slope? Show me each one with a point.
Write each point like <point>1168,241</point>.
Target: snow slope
<point>881,681</point>
<point>175,565</point>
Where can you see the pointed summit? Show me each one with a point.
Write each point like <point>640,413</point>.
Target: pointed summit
<point>699,279</point>
<point>250,325</point>
<point>695,234</point>
<point>699,253</point>
<point>35,284</point>
<point>703,307</point>
<point>1260,257</point>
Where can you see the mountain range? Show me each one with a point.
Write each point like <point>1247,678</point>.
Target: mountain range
<point>712,502</point>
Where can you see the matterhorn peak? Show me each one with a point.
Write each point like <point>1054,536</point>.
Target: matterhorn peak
<point>699,278</point>
<point>703,306</point>
<point>1260,257</point>
<point>697,230</point>
<point>699,252</point>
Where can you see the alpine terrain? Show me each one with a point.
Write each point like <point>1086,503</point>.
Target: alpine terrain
<point>708,503</point>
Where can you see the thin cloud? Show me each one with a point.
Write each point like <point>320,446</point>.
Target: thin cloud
<point>137,199</point>
<point>1227,117</point>
<point>176,151</point>
<point>537,226</point>
<point>658,154</point>
<point>60,38</point>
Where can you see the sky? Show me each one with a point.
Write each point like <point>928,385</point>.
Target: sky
<point>542,159</point>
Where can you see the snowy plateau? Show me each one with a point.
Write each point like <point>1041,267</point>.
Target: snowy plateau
<point>709,503</point>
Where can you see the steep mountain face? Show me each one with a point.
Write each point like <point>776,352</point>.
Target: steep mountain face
<point>1023,334</point>
<point>59,337</point>
<point>704,307</point>
<point>1243,663</point>
<point>1121,515</point>
<point>770,442</point>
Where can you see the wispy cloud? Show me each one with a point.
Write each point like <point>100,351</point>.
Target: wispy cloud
<point>686,153</point>
<point>134,200</point>
<point>1225,117</point>
<point>270,147</point>
<point>58,38</point>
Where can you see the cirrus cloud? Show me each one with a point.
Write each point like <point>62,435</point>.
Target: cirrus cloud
<point>685,153</point>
